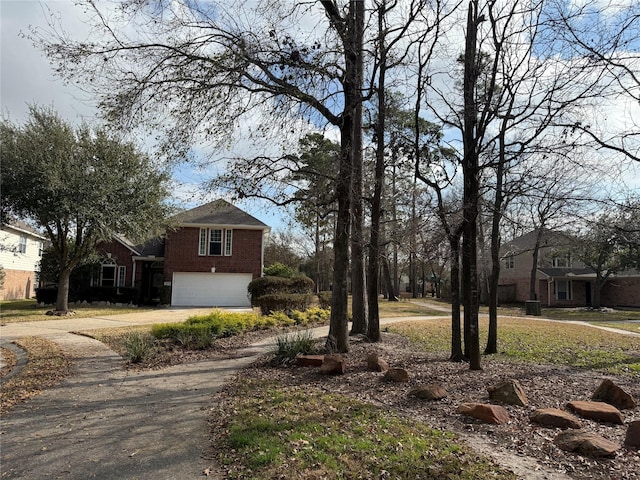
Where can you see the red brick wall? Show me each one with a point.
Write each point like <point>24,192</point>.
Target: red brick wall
<point>18,284</point>
<point>181,253</point>
<point>623,292</point>
<point>120,254</point>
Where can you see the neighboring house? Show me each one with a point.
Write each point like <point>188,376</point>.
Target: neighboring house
<point>206,258</point>
<point>561,279</point>
<point>20,253</point>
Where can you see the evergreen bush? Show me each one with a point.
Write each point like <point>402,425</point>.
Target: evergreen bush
<point>285,302</point>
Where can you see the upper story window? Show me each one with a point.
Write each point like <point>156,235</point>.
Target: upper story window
<point>22,245</point>
<point>561,261</point>
<point>510,262</point>
<point>215,242</point>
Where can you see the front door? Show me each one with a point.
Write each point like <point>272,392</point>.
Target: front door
<point>587,293</point>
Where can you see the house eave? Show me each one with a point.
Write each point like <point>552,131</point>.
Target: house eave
<point>236,226</point>
<point>22,230</point>
<point>126,245</point>
<point>147,258</point>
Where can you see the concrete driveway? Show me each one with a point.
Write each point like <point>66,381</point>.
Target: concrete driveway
<point>103,422</point>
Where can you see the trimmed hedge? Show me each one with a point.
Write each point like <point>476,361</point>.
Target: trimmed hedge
<point>279,285</point>
<point>46,295</point>
<point>284,302</point>
<point>49,295</point>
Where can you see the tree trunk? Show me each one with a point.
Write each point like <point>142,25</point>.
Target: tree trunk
<point>494,276</point>
<point>338,339</point>
<point>456,336</point>
<point>62,301</point>
<point>534,267</point>
<point>597,291</point>
<point>392,295</point>
<point>471,192</point>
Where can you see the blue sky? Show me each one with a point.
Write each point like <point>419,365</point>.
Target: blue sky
<point>27,78</point>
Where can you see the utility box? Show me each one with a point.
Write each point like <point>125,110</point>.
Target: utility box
<point>533,307</point>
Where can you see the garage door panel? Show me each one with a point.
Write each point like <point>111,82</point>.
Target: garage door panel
<point>210,289</point>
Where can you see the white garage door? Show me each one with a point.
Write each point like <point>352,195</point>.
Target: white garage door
<point>210,289</point>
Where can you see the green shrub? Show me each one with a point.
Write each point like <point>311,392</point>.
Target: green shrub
<point>199,332</point>
<point>164,292</point>
<point>137,346</point>
<point>279,319</point>
<point>301,285</point>
<point>324,299</point>
<point>289,346</point>
<point>47,295</point>
<point>285,302</point>
<point>277,286</point>
<point>279,270</point>
<point>267,286</point>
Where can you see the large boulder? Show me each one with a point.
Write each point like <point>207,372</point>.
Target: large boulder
<point>398,375</point>
<point>509,392</point>
<point>554,418</point>
<point>598,411</point>
<point>376,364</point>
<point>485,412</point>
<point>586,443</point>
<point>333,365</point>
<point>612,394</point>
<point>632,438</point>
<point>429,392</point>
<point>309,360</point>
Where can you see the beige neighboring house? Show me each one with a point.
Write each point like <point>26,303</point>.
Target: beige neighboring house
<point>561,279</point>
<point>20,253</point>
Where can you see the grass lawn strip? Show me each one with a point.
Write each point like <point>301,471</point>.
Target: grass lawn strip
<point>47,366</point>
<point>270,430</point>
<point>532,341</point>
<point>16,311</point>
<point>628,326</point>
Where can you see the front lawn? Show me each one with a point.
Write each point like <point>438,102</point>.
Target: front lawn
<point>539,342</point>
<point>26,310</point>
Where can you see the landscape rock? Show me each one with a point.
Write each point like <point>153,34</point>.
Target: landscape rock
<point>509,392</point>
<point>612,394</point>
<point>632,438</point>
<point>429,392</point>
<point>554,418</point>
<point>333,365</point>
<point>586,443</point>
<point>486,412</point>
<point>398,375</point>
<point>309,360</point>
<point>598,411</point>
<point>376,364</point>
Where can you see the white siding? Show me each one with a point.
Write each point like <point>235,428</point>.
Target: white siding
<point>11,259</point>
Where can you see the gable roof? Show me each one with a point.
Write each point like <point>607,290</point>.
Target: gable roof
<point>219,213</point>
<point>22,227</point>
<point>527,242</point>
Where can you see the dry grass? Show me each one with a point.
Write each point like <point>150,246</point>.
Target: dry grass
<point>15,311</point>
<point>47,365</point>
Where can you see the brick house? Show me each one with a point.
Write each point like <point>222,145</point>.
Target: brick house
<point>207,257</point>
<point>20,254</point>
<point>561,279</point>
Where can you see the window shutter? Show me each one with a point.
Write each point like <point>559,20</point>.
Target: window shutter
<point>228,242</point>
<point>202,245</point>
